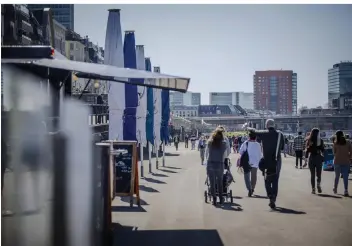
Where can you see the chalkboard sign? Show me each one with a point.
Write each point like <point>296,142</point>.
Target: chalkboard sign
<point>124,161</point>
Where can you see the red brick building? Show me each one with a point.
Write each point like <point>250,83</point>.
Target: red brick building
<point>275,90</point>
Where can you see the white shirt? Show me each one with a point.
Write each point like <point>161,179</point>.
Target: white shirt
<point>254,152</point>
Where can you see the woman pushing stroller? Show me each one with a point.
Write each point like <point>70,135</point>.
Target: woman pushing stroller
<point>217,152</point>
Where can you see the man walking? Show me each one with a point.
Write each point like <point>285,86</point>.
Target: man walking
<point>273,143</point>
<point>298,146</point>
<point>186,141</point>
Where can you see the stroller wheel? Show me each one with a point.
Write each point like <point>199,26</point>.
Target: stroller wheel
<point>231,197</point>
<point>205,197</point>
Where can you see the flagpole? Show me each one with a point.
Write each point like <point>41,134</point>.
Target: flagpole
<point>150,156</point>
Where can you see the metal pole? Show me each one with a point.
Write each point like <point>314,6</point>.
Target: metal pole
<point>150,157</point>
<point>164,154</point>
<point>141,159</point>
<point>157,155</point>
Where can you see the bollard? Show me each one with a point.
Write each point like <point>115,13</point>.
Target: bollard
<point>150,157</point>
<point>157,156</point>
<point>141,159</point>
<point>163,154</point>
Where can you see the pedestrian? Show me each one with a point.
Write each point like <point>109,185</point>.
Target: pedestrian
<point>254,152</point>
<point>193,142</point>
<point>298,146</point>
<point>186,141</point>
<point>201,148</point>
<point>228,148</point>
<point>272,144</point>
<point>216,154</point>
<point>315,150</point>
<point>286,147</point>
<point>342,158</point>
<point>176,141</point>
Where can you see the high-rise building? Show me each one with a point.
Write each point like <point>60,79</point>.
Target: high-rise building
<point>275,90</point>
<point>63,13</point>
<point>340,84</point>
<point>243,99</point>
<point>186,99</point>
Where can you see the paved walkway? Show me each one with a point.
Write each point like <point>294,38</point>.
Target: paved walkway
<point>174,211</point>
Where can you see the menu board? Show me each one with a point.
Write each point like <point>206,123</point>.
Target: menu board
<point>124,169</point>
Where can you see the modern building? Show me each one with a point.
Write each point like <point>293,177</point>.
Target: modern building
<point>275,90</point>
<point>184,111</point>
<point>63,13</point>
<point>340,84</point>
<point>186,99</point>
<point>243,99</point>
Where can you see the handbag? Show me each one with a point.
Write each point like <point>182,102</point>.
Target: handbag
<point>244,161</point>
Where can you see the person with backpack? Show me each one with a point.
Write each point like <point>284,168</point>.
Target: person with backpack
<point>251,153</point>
<point>270,165</point>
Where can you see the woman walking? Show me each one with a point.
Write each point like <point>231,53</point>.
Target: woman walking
<point>342,158</point>
<point>254,151</point>
<point>315,150</point>
<point>216,154</point>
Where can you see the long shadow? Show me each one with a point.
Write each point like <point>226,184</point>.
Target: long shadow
<point>330,196</point>
<point>237,197</point>
<point>147,189</point>
<point>287,211</point>
<point>155,181</point>
<point>167,171</point>
<point>132,237</point>
<point>127,209</point>
<point>172,167</point>
<point>260,197</point>
<point>159,175</point>
<point>127,200</point>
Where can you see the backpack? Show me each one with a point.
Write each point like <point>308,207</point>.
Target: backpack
<point>244,161</point>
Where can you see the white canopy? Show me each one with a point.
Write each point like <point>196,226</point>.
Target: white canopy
<point>111,73</point>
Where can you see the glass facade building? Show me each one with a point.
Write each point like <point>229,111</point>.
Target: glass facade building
<point>339,81</point>
<point>63,13</point>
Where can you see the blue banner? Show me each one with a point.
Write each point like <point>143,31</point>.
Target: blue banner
<point>150,107</point>
<point>131,91</point>
<point>165,116</point>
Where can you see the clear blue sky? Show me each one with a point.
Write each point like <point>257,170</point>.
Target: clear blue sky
<point>220,46</point>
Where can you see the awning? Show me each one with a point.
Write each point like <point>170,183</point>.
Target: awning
<point>110,73</point>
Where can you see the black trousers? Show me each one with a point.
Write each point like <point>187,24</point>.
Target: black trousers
<point>315,167</point>
<point>299,156</point>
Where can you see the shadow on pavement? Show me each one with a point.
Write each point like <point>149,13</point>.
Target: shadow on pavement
<point>329,196</point>
<point>147,189</point>
<point>232,207</point>
<point>127,200</point>
<point>129,236</point>
<point>172,167</point>
<point>260,197</point>
<point>155,181</point>
<point>287,211</point>
<point>237,197</point>
<point>159,175</point>
<point>127,209</point>
<point>167,171</point>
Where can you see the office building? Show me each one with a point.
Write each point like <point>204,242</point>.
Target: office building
<point>243,99</point>
<point>63,13</point>
<point>340,85</point>
<point>186,99</point>
<point>275,90</point>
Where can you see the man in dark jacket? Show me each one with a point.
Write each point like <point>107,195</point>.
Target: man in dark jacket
<point>271,164</point>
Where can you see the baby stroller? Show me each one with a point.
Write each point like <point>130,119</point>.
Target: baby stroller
<point>227,180</point>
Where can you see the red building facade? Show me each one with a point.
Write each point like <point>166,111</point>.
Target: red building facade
<point>275,90</point>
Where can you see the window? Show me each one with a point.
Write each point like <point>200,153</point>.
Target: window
<point>72,46</point>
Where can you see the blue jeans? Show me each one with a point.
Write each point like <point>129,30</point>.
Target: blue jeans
<point>272,182</point>
<point>344,170</point>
